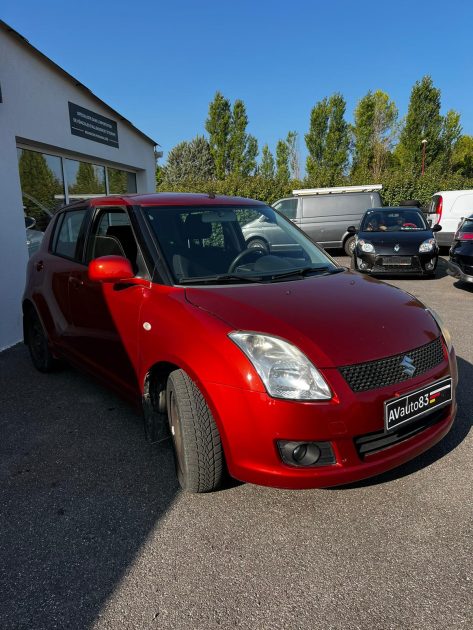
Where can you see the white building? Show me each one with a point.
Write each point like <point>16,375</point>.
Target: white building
<point>58,143</point>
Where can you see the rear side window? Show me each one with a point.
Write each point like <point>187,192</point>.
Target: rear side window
<point>338,204</point>
<point>467,227</point>
<point>68,231</point>
<point>287,207</point>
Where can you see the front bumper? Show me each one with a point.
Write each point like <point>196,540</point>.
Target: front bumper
<point>454,270</point>
<point>394,264</point>
<point>251,423</point>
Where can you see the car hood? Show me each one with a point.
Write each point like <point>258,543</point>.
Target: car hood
<point>336,320</point>
<point>385,241</point>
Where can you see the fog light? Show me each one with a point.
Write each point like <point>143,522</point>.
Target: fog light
<point>430,265</point>
<point>306,453</point>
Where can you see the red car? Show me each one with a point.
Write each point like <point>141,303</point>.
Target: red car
<point>278,366</point>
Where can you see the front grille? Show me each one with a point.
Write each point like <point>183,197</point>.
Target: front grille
<point>389,263</point>
<point>376,374</point>
<point>375,442</point>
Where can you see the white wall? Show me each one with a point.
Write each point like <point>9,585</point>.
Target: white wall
<point>35,111</point>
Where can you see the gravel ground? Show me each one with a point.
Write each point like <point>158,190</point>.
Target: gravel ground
<point>95,533</point>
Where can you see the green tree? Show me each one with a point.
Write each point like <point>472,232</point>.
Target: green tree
<point>293,150</point>
<point>189,160</point>
<point>250,155</point>
<point>282,161</point>
<point>89,180</point>
<point>374,131</point>
<point>423,122</point>
<point>37,180</point>
<point>328,140</point>
<point>451,132</point>
<point>218,127</point>
<point>266,168</point>
<point>315,139</point>
<point>462,157</point>
<point>337,142</point>
<point>237,138</point>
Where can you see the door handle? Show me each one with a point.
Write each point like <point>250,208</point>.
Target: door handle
<point>39,266</point>
<point>75,282</point>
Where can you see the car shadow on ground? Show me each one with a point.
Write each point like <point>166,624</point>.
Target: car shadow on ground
<point>464,286</point>
<point>459,431</point>
<point>80,491</point>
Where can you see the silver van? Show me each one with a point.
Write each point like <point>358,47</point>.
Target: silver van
<point>323,213</point>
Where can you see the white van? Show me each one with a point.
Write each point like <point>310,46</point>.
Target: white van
<point>448,207</point>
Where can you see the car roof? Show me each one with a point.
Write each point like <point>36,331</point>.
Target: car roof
<point>169,199</point>
<point>394,209</point>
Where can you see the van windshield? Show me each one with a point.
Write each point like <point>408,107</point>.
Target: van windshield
<point>228,244</point>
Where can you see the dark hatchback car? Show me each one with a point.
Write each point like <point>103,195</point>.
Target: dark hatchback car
<point>395,241</point>
<point>460,265</point>
<point>281,367</point>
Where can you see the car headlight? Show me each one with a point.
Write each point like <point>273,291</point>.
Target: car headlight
<point>427,246</point>
<point>366,246</point>
<point>285,371</point>
<point>443,329</point>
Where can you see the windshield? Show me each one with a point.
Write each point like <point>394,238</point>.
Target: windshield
<point>393,221</point>
<point>225,244</point>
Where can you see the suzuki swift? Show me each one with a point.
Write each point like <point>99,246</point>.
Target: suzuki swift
<point>276,365</point>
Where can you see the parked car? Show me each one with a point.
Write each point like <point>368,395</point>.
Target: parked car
<point>447,208</point>
<point>33,237</point>
<point>324,213</point>
<point>393,241</point>
<point>460,265</point>
<point>283,368</point>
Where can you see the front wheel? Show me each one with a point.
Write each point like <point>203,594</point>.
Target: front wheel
<point>37,342</point>
<point>349,246</point>
<point>197,447</point>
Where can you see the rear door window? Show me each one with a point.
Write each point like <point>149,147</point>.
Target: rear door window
<point>68,236</point>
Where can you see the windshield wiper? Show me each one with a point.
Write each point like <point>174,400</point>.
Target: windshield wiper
<point>305,271</point>
<point>226,277</point>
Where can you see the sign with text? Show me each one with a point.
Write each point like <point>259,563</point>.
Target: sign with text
<point>88,124</point>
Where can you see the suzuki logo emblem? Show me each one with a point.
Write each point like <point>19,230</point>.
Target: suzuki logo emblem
<point>397,248</point>
<point>408,366</point>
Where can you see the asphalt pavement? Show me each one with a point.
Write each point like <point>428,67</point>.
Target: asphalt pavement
<point>95,533</point>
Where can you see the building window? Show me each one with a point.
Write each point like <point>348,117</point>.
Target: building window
<point>42,185</point>
<point>121,182</point>
<point>84,179</point>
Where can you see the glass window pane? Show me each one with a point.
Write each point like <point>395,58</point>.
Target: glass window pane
<point>121,182</point>
<point>68,234</point>
<point>42,185</point>
<point>84,180</point>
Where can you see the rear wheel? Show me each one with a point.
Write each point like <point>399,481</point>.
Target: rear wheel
<point>37,342</point>
<point>349,246</point>
<point>197,446</point>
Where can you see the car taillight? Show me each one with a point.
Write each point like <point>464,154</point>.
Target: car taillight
<point>439,209</point>
<point>465,236</point>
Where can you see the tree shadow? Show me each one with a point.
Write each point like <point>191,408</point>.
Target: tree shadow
<point>454,437</point>
<point>80,492</point>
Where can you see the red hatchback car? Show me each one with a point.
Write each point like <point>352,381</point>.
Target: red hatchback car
<point>273,363</point>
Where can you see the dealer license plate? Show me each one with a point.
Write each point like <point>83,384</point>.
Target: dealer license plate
<point>397,260</point>
<point>407,408</point>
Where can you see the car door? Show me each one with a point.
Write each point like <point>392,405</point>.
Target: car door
<point>105,316</point>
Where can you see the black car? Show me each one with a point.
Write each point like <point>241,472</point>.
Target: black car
<point>460,265</point>
<point>395,241</point>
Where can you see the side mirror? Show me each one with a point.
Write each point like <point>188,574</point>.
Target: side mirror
<point>110,269</point>
<point>352,229</point>
<point>436,228</point>
<point>30,222</point>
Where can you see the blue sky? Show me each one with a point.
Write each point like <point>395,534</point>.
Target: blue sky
<point>160,63</point>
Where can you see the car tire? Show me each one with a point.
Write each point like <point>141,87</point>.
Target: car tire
<point>198,450</point>
<point>38,343</point>
<point>258,243</point>
<point>349,245</point>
